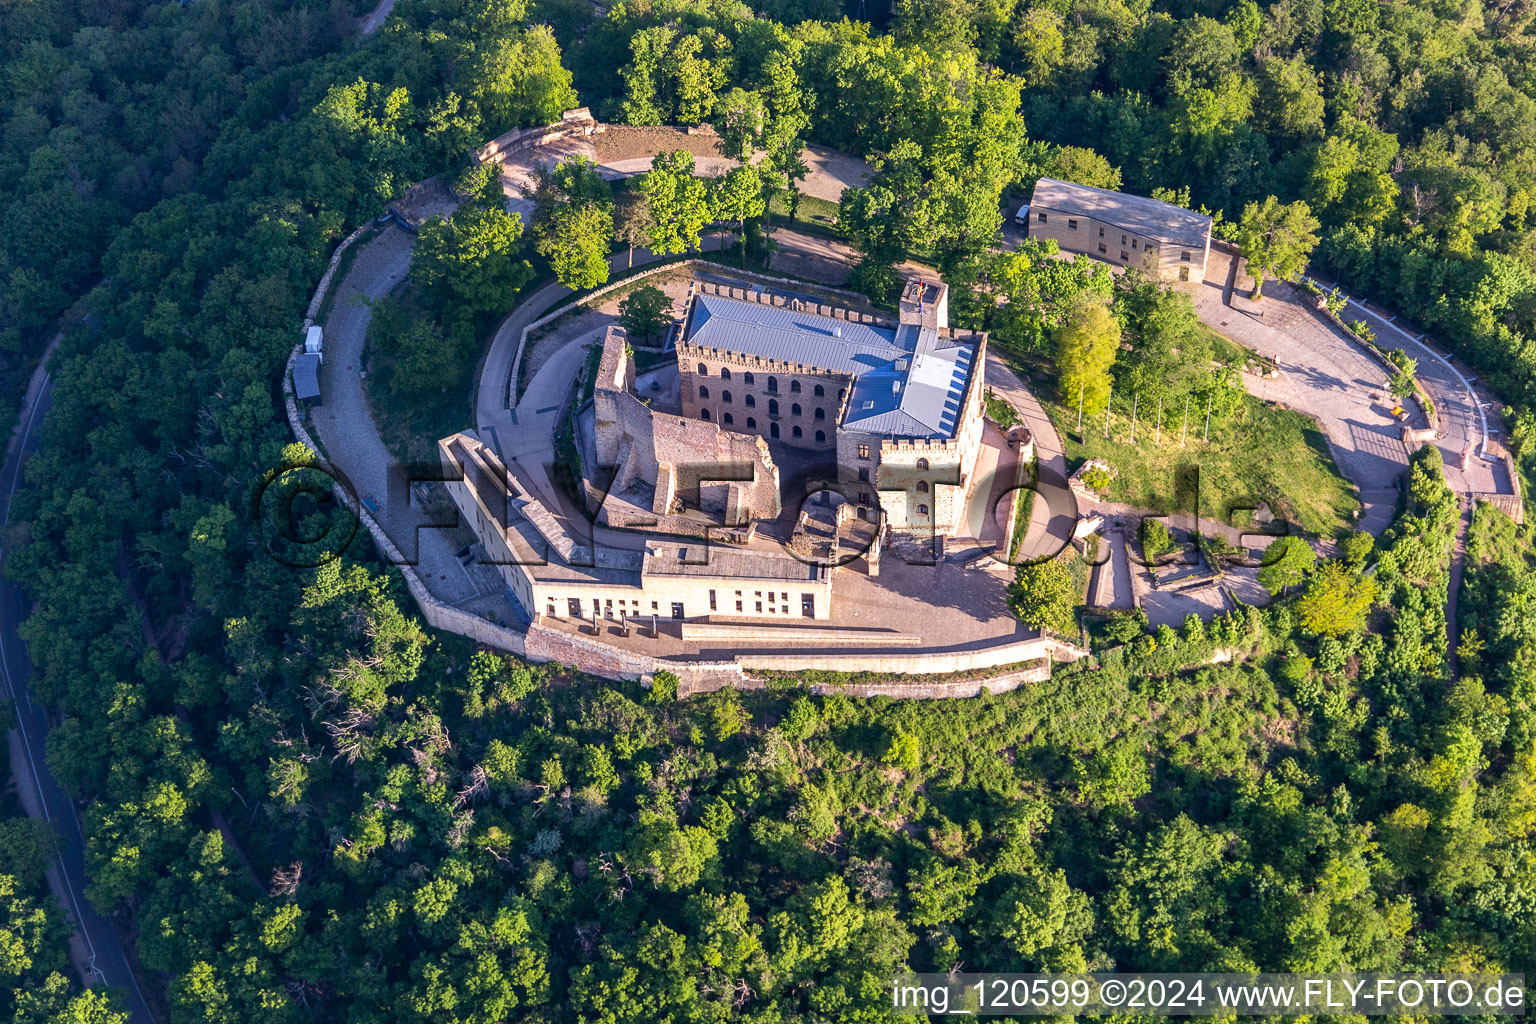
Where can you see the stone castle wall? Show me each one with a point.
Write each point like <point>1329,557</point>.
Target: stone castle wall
<point>730,476</point>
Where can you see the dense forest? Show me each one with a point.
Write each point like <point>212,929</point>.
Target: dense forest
<point>309,807</point>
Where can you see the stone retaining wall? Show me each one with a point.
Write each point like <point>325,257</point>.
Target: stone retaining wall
<point>573,122</point>
<point>894,687</point>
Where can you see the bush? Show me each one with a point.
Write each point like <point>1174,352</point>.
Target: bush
<point>1156,541</point>
<point>663,688</point>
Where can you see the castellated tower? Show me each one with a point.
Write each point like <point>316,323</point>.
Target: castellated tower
<point>924,304</point>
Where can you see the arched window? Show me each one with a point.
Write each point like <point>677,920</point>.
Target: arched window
<point>922,487</point>
<point>773,407</point>
<point>794,410</point>
<point>821,414</point>
<point>773,430</point>
<point>794,386</point>
<point>840,393</point>
<point>773,385</point>
<point>922,510</point>
<point>921,463</point>
<point>819,391</point>
<point>703,370</point>
<point>821,436</point>
<point>726,419</point>
<point>751,402</point>
<point>747,378</point>
<point>751,423</point>
<point>725,373</point>
<point>703,391</point>
<point>796,432</point>
<point>725,396</point>
<point>704,415</point>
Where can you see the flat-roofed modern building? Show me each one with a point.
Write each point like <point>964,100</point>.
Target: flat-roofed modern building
<point>1122,229</point>
<point>900,403</point>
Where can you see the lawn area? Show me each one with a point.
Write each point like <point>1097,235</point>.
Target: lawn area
<point>814,216</point>
<point>1259,453</point>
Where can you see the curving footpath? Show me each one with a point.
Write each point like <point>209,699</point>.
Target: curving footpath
<point>1052,520</point>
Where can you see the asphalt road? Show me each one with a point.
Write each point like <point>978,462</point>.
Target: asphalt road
<point>105,960</point>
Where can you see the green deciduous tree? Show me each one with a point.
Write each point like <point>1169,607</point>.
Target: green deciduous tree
<point>1276,239</point>
<point>645,311</point>
<point>1335,601</point>
<point>575,240</point>
<point>1087,343</point>
<point>1286,563</point>
<point>1043,595</point>
<point>678,203</point>
<point>472,262</point>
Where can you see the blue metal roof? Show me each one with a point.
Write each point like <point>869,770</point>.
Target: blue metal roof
<point>306,376</point>
<point>908,381</point>
<point>778,332</point>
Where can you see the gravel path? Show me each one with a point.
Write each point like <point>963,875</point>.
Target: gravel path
<point>345,428</point>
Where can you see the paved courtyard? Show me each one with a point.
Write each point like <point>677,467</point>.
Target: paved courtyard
<point>1322,374</point>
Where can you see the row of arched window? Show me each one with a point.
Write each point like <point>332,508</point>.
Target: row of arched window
<point>750,380</point>
<point>728,420</point>
<point>773,404</point>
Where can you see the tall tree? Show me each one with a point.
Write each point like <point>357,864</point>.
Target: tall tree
<point>739,197</point>
<point>1276,239</point>
<point>1286,564</point>
<point>678,203</point>
<point>632,221</point>
<point>1086,345</point>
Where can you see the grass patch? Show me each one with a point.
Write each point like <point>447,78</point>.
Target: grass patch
<point>1259,453</point>
<point>1000,412</point>
<point>814,216</point>
<point>1025,504</point>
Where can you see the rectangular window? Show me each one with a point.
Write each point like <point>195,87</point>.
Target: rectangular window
<point>677,609</point>
<point>1124,255</point>
<point>1072,224</point>
<point>808,605</point>
<point>863,497</point>
<point>759,606</point>
<point>1101,232</point>
<point>785,596</point>
<point>738,605</point>
<point>573,606</point>
<point>1184,256</point>
<point>653,606</point>
<point>1103,248</point>
<point>1151,250</point>
<point>1133,243</point>
<point>1040,217</point>
<point>863,451</point>
<point>711,600</point>
<point>863,476</point>
<point>1122,239</point>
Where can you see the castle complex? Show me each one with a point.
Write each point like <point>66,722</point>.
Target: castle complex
<point>794,439</point>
